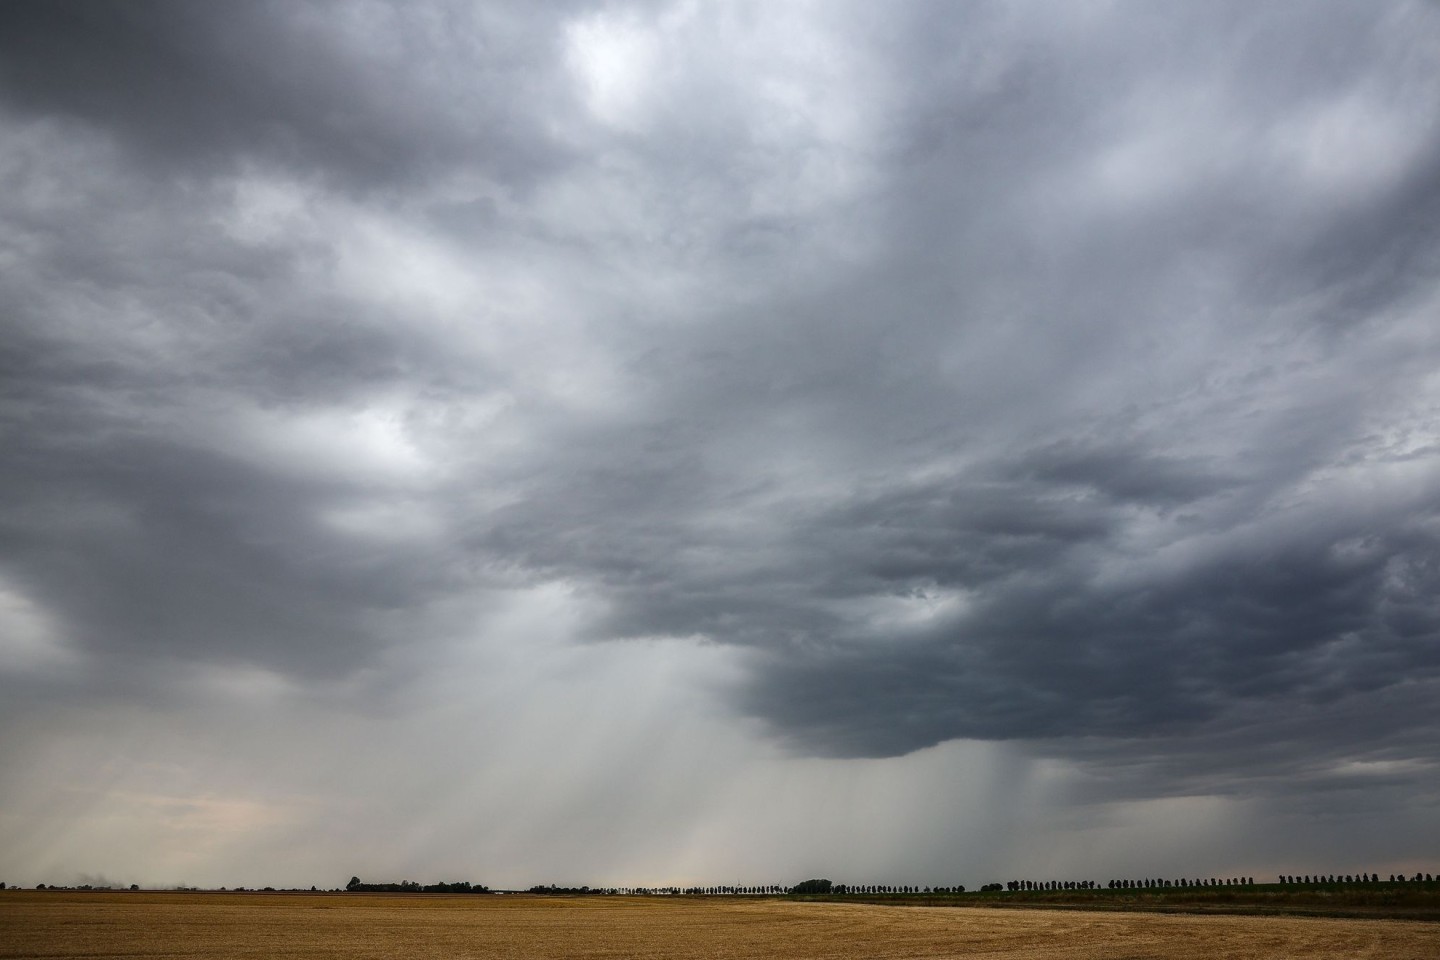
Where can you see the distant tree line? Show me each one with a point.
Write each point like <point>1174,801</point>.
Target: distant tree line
<point>815,886</point>
<point>1334,878</point>
<point>868,889</point>
<point>1155,883</point>
<point>825,887</point>
<point>1018,885</point>
<point>1184,882</point>
<point>356,885</point>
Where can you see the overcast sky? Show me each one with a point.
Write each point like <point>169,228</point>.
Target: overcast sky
<point>718,443</point>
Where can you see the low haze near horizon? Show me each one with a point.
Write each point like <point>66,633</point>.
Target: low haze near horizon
<point>649,443</point>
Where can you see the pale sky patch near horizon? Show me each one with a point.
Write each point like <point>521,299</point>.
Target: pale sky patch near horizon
<point>663,442</point>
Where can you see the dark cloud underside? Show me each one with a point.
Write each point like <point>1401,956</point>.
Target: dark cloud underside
<point>1063,376</point>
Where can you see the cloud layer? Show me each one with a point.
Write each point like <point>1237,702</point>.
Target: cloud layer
<point>1055,377</point>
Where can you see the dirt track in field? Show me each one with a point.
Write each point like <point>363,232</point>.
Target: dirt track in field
<point>62,924</point>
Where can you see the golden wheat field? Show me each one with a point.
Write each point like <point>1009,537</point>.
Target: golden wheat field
<point>60,924</point>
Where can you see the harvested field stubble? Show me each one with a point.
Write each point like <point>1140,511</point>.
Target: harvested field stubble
<point>360,927</point>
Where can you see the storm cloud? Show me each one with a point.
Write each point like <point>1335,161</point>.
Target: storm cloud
<point>1057,381</point>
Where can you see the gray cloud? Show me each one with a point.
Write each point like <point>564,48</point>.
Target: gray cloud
<point>1054,377</point>
<point>326,88</point>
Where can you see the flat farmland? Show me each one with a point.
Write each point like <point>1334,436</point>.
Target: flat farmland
<point>64,924</point>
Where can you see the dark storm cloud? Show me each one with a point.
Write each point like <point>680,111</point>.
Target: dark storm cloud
<point>152,550</point>
<point>363,94</point>
<point>1067,379</point>
<point>1178,372</point>
<point>1048,653</point>
<point>140,511</point>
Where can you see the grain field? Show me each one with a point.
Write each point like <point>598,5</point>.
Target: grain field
<point>65,925</point>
